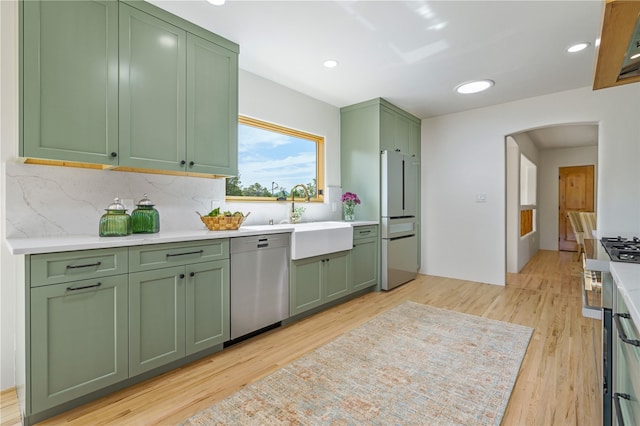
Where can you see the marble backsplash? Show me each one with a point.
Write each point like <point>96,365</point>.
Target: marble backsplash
<point>43,201</point>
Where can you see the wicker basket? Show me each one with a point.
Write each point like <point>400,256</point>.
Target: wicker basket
<point>222,223</point>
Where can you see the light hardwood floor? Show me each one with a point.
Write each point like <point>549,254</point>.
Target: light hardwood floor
<point>558,382</point>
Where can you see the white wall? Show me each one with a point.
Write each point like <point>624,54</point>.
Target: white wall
<point>9,265</point>
<point>463,154</point>
<point>550,162</point>
<point>513,203</point>
<point>528,245</point>
<point>258,97</point>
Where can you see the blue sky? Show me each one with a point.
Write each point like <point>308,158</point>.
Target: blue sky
<point>266,157</point>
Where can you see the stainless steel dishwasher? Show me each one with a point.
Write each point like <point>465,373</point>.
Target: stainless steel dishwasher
<point>259,282</point>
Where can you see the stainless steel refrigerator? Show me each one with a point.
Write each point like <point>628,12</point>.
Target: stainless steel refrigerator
<point>399,218</point>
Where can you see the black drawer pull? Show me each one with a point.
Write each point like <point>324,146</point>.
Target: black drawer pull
<point>184,254</point>
<point>88,265</point>
<point>263,245</point>
<point>192,274</point>
<point>365,232</point>
<point>84,287</point>
<point>621,333</point>
<point>616,401</point>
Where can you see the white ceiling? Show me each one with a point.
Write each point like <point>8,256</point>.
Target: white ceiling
<point>568,136</point>
<point>412,53</point>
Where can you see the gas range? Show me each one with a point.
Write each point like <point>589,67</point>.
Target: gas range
<point>622,249</point>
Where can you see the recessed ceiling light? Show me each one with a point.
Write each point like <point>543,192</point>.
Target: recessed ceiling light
<point>474,86</point>
<point>330,63</point>
<point>578,47</point>
<point>216,2</point>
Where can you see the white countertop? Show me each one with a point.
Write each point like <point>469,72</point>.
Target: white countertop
<point>627,279</point>
<point>87,242</point>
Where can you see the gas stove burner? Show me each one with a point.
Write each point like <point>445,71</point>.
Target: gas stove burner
<point>627,246</point>
<point>617,239</point>
<point>622,249</point>
<point>629,257</point>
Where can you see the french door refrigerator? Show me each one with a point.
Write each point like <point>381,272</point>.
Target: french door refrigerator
<point>399,213</point>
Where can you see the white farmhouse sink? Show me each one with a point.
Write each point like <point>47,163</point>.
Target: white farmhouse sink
<point>316,238</point>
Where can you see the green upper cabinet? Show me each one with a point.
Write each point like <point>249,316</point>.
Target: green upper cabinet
<point>127,84</point>
<point>212,108</point>
<point>178,97</point>
<point>152,92</point>
<point>70,81</point>
<point>398,131</point>
<point>367,128</point>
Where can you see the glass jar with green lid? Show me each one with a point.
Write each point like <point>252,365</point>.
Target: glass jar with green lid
<point>115,222</point>
<point>145,219</point>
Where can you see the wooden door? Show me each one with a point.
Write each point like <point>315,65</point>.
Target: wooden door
<point>576,192</point>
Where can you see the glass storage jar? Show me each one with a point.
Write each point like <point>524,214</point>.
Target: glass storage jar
<point>115,222</point>
<point>145,219</point>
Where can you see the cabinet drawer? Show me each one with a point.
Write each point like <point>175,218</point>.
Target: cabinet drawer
<point>360,232</point>
<point>145,258</point>
<point>54,268</point>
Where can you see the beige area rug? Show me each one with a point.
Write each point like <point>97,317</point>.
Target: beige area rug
<point>412,365</point>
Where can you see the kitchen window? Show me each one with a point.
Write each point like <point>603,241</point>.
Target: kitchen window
<point>272,159</point>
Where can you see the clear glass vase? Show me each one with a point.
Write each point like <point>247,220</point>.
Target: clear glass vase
<point>349,212</point>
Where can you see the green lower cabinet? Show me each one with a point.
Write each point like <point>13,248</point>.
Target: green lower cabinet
<point>317,280</point>
<point>306,287</point>
<point>157,318</point>
<point>177,311</point>
<point>337,275</point>
<point>208,303</point>
<point>364,263</point>
<point>78,339</point>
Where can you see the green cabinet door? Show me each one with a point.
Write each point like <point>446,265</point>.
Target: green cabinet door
<point>212,108</point>
<point>78,339</point>
<point>157,318</point>
<point>207,305</point>
<point>336,275</point>
<point>152,92</point>
<point>395,131</point>
<point>70,81</point>
<point>364,263</point>
<point>414,139</point>
<point>306,288</point>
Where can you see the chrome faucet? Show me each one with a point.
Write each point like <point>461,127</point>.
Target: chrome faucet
<point>293,197</point>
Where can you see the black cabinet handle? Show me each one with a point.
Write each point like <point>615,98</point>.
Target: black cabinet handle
<point>88,265</point>
<point>181,276</point>
<point>192,274</point>
<point>192,163</point>
<point>364,232</point>
<point>114,154</point>
<point>84,287</point>
<point>182,163</point>
<point>184,254</point>
<point>616,401</point>
<point>621,333</point>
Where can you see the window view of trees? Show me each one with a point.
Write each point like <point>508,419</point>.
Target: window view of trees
<point>273,159</point>
<point>235,188</point>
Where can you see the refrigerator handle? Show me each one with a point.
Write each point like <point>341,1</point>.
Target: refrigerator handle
<point>403,184</point>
